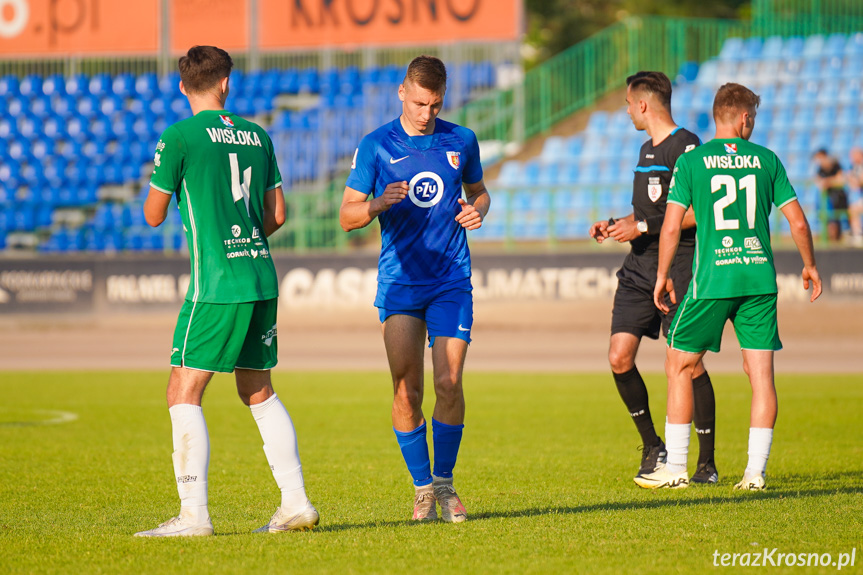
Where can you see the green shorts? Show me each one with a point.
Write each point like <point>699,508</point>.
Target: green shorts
<point>698,325</point>
<point>221,337</point>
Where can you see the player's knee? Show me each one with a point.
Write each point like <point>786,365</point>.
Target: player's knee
<point>408,398</point>
<point>621,361</point>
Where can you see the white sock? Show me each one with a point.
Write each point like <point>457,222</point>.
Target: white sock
<point>191,458</point>
<point>280,447</point>
<point>677,445</point>
<point>760,439</point>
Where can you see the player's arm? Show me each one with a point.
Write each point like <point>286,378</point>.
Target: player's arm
<point>274,210</point>
<point>156,206</point>
<point>474,206</point>
<point>802,236</point>
<point>355,212</point>
<point>669,238</point>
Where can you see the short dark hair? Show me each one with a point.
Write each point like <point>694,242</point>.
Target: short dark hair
<point>203,67</point>
<point>428,72</point>
<point>731,99</point>
<point>655,83</point>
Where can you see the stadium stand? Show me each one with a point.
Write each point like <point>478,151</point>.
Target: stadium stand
<point>77,151</point>
<point>810,98</point>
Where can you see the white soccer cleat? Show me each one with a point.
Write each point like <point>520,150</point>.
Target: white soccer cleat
<point>179,527</point>
<point>756,483</point>
<point>451,507</point>
<point>288,521</point>
<point>425,504</point>
<point>662,478</point>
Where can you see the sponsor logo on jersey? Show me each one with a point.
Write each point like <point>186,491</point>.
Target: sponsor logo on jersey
<point>397,160</point>
<point>241,254</point>
<point>732,162</point>
<point>354,161</point>
<point>226,121</point>
<point>425,189</point>
<point>236,137</point>
<point>727,251</point>
<point>453,158</point>
<point>157,159</point>
<point>689,148</point>
<point>649,156</point>
<point>729,261</point>
<point>730,148</point>
<point>254,254</point>
<point>235,230</point>
<point>727,241</point>
<point>752,243</point>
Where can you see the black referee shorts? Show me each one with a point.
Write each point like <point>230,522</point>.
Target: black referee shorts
<point>634,311</point>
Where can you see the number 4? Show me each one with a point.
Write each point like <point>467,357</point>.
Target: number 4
<point>240,191</point>
<point>747,183</point>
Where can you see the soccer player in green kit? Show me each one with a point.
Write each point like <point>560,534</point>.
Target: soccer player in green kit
<point>223,172</point>
<point>731,185</point>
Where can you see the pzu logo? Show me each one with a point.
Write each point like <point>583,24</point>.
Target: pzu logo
<point>425,189</point>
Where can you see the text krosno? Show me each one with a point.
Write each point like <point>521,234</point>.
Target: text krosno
<point>773,558</point>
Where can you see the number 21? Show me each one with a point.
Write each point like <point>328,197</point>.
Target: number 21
<point>747,183</point>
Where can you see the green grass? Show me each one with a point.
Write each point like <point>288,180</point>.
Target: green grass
<point>545,471</point>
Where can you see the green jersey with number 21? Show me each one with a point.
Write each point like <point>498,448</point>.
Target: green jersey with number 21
<point>732,185</point>
<point>220,166</point>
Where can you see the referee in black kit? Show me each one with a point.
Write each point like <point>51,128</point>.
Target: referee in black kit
<point>648,100</point>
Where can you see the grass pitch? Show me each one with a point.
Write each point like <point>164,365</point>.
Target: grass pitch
<point>545,471</point>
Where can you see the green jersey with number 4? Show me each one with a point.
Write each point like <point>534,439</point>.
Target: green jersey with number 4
<point>220,166</point>
<point>732,185</point>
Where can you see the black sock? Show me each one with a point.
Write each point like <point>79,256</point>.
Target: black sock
<point>704,416</point>
<point>633,392</point>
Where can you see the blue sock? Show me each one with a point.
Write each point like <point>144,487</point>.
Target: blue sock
<point>415,450</point>
<point>446,439</point>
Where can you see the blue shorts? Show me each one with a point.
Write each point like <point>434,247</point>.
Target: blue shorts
<point>446,308</point>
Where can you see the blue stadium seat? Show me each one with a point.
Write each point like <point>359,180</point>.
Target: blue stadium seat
<point>9,87</point>
<point>554,149</point>
<point>597,123</point>
<point>123,86</point>
<point>835,45</point>
<point>813,46</point>
<point>100,85</point>
<point>147,86</point>
<point>732,49</point>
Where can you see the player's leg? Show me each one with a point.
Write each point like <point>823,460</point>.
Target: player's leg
<point>404,338</point>
<point>697,327</point>
<point>757,331</point>
<point>633,316</point>
<point>203,333</point>
<point>449,319</point>
<point>704,415</point>
<point>257,357</point>
<point>704,420</point>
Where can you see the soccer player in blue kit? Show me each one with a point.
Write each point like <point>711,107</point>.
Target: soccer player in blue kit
<point>414,168</point>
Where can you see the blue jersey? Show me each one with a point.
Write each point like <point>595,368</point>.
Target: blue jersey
<point>421,243</point>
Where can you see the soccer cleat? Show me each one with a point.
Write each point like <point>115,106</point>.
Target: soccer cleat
<point>706,473</point>
<point>424,504</point>
<point>662,478</point>
<point>179,527</point>
<point>652,458</point>
<point>751,484</point>
<point>283,521</point>
<point>451,507</point>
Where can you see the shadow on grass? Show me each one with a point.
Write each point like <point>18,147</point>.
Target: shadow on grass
<point>692,497</point>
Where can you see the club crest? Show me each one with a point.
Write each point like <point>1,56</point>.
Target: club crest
<point>730,148</point>
<point>226,121</point>
<point>453,158</point>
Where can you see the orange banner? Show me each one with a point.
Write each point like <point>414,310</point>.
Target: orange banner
<point>69,27</point>
<point>222,23</point>
<point>320,23</point>
<point>63,27</point>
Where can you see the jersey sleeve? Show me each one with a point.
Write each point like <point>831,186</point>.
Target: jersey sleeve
<point>473,166</point>
<point>169,161</point>
<point>783,191</point>
<point>362,177</point>
<point>274,176</point>
<point>680,189</point>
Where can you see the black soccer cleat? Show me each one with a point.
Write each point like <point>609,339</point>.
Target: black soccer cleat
<point>706,473</point>
<point>652,458</point>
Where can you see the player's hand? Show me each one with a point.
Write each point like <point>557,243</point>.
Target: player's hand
<point>812,275</point>
<point>623,230</point>
<point>599,231</point>
<point>393,194</point>
<point>469,217</point>
<point>663,286</point>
